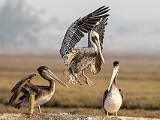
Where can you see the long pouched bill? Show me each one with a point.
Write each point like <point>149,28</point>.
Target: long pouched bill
<point>115,71</point>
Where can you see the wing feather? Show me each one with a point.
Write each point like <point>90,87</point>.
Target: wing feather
<point>14,96</point>
<point>99,9</point>
<point>77,30</point>
<point>104,96</point>
<point>22,82</point>
<point>100,29</point>
<point>32,87</point>
<point>19,86</point>
<point>95,65</point>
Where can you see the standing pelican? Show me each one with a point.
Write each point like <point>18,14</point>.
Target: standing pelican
<point>42,93</point>
<point>78,59</point>
<point>112,99</point>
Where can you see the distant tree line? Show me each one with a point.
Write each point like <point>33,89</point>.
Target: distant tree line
<point>19,25</point>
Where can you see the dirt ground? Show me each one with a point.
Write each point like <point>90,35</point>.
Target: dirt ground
<point>63,116</point>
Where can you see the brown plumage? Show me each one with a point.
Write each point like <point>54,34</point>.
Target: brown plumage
<point>113,96</point>
<point>77,29</point>
<point>79,59</point>
<point>42,93</point>
<point>95,66</point>
<point>21,86</point>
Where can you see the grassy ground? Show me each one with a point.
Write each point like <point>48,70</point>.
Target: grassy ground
<point>138,78</point>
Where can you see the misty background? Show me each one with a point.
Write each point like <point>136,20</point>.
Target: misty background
<point>38,26</point>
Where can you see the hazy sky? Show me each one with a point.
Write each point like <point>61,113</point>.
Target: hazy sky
<point>122,9</point>
<point>133,24</point>
<point>125,9</point>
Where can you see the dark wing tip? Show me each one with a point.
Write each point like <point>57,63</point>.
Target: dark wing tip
<point>81,26</point>
<point>21,82</point>
<point>14,96</point>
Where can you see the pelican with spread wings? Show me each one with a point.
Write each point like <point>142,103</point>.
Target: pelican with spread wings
<point>79,59</point>
<point>42,93</point>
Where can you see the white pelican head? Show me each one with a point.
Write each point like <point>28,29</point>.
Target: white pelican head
<point>115,73</point>
<point>94,37</point>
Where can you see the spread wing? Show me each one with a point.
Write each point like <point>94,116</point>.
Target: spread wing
<point>22,82</point>
<point>77,29</point>
<point>100,29</point>
<point>19,86</point>
<point>30,86</point>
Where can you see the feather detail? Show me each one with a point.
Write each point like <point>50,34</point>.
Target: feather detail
<point>71,55</point>
<point>20,87</point>
<point>77,30</point>
<point>100,29</point>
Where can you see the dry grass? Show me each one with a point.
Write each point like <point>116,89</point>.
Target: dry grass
<point>138,78</point>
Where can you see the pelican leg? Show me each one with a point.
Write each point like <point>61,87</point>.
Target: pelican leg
<point>39,108</point>
<point>116,115</point>
<point>87,81</point>
<point>31,103</point>
<point>107,114</point>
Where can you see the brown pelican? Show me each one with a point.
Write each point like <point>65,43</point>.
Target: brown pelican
<point>42,93</point>
<point>112,99</point>
<point>78,59</point>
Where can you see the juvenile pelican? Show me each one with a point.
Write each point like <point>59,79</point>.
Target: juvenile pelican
<point>112,99</point>
<point>42,93</point>
<point>79,59</point>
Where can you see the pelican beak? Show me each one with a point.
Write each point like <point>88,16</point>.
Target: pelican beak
<point>114,74</point>
<point>100,51</point>
<point>55,78</point>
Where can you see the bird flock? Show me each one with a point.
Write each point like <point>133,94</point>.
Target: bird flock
<point>77,61</point>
